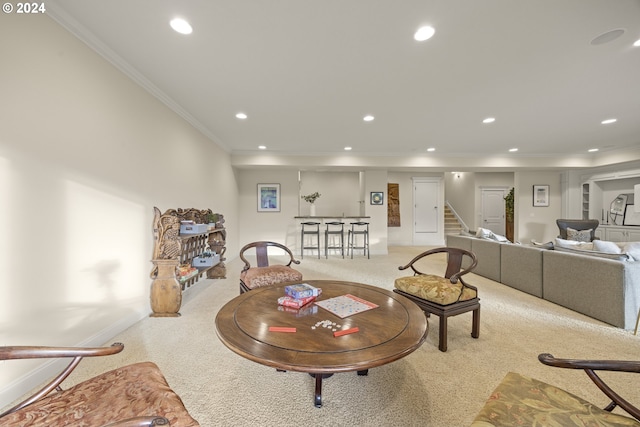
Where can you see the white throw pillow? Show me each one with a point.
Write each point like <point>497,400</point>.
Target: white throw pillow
<point>608,247</point>
<point>574,244</point>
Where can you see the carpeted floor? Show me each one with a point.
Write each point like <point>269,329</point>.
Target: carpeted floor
<point>426,388</point>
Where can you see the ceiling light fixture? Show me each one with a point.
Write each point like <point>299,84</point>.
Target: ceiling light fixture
<point>513,150</point>
<point>181,26</point>
<point>241,116</point>
<point>424,33</point>
<point>609,121</point>
<point>368,118</point>
<point>489,120</point>
<point>347,148</point>
<point>262,147</point>
<point>637,43</point>
<point>593,150</point>
<point>431,149</point>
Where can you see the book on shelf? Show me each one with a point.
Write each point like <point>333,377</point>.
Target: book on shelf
<point>301,290</point>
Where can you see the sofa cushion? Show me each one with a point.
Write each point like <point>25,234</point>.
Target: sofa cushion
<point>256,277</point>
<point>434,288</point>
<point>579,235</point>
<point>519,400</point>
<point>131,391</point>
<point>573,244</point>
<point>607,247</point>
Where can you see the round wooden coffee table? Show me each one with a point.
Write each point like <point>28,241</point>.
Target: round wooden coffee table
<point>386,333</point>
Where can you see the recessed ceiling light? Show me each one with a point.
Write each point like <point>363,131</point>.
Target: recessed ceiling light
<point>431,149</point>
<point>241,116</point>
<point>609,121</point>
<point>424,33</point>
<point>637,43</point>
<point>262,147</point>
<point>181,26</point>
<point>347,148</point>
<point>368,118</point>
<point>593,150</point>
<point>513,150</point>
<point>489,120</point>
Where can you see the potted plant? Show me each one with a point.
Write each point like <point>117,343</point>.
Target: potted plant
<point>311,198</point>
<point>508,213</point>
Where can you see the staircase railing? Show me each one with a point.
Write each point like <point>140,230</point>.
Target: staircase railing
<point>453,211</point>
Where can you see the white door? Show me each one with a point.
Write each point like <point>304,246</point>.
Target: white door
<point>426,207</point>
<point>493,215</point>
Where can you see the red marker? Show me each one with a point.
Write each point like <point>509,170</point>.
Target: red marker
<point>345,332</point>
<point>281,329</point>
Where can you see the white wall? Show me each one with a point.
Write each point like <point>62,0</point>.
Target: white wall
<point>537,222</point>
<point>85,155</point>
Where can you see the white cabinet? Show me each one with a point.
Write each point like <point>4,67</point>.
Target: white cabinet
<point>621,234</point>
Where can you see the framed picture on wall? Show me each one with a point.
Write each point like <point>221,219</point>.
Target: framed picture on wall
<point>268,197</point>
<point>540,195</point>
<point>377,197</point>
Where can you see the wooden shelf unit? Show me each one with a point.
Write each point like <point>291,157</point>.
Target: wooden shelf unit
<point>172,249</point>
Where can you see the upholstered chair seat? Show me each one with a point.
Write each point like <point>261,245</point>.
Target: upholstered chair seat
<point>263,273</point>
<point>522,401</point>
<point>257,277</point>
<point>435,289</point>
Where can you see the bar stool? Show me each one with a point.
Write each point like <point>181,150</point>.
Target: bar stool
<point>312,229</point>
<point>359,228</point>
<point>334,228</point>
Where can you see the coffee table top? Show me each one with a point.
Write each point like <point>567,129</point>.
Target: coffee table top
<point>387,333</point>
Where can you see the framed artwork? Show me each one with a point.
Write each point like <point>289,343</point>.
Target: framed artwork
<point>631,217</point>
<point>377,197</point>
<point>540,195</point>
<point>268,197</point>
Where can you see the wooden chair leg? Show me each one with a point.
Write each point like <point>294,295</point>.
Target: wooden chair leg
<point>442,346</point>
<point>475,331</point>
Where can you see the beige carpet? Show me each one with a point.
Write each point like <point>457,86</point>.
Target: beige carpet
<point>426,388</point>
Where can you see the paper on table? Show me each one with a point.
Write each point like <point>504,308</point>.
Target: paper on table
<point>345,305</point>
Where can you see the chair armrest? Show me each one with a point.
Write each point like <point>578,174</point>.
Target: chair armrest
<point>140,422</point>
<point>39,352</point>
<point>590,366</point>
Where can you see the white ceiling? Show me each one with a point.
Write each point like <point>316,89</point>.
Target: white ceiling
<point>306,72</point>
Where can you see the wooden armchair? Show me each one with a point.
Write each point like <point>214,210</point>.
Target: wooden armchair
<point>264,274</point>
<point>520,400</point>
<point>136,395</point>
<point>446,295</point>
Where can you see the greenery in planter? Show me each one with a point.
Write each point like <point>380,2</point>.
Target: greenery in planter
<point>212,218</point>
<point>311,197</point>
<point>508,205</point>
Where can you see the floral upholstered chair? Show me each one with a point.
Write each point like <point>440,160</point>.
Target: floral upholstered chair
<point>264,274</point>
<point>446,295</point>
<point>134,395</point>
<point>522,401</point>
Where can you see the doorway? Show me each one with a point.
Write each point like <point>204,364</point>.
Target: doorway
<point>493,214</point>
<point>427,211</point>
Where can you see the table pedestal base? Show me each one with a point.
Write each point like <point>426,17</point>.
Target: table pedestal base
<point>317,399</point>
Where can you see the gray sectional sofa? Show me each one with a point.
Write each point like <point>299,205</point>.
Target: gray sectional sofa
<point>604,289</point>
